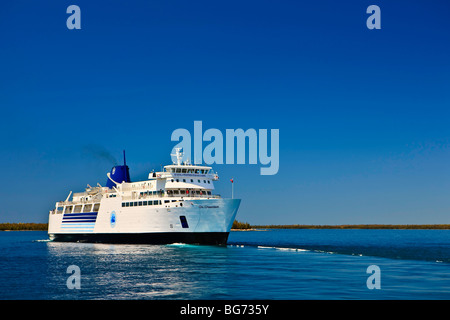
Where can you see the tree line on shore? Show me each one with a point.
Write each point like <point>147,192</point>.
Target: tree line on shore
<point>237,225</point>
<point>245,225</point>
<point>23,226</point>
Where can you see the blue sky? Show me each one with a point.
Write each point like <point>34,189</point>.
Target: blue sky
<point>363,114</point>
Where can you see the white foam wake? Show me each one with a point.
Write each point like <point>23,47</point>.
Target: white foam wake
<point>283,249</point>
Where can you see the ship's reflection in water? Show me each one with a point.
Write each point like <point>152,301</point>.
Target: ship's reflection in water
<point>176,271</point>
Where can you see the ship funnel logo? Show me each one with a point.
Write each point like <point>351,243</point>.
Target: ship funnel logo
<point>118,174</point>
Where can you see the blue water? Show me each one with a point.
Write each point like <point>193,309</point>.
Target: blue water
<point>274,264</point>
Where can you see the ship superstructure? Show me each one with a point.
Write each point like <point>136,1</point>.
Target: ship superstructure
<point>177,204</point>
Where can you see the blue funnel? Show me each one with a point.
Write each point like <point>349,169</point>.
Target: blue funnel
<point>119,174</point>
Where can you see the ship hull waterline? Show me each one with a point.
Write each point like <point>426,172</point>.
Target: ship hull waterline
<point>204,238</point>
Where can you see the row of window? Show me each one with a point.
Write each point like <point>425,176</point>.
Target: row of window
<point>141,203</point>
<point>150,193</point>
<point>79,208</point>
<point>192,180</point>
<point>191,192</point>
<point>174,192</point>
<point>183,170</point>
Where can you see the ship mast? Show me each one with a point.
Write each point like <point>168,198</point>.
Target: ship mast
<point>178,155</point>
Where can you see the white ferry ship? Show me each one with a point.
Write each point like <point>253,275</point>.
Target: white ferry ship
<point>175,205</point>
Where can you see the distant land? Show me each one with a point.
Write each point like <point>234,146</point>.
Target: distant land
<point>246,226</point>
<point>23,226</point>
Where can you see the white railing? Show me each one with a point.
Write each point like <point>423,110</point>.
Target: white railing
<point>144,197</point>
<point>159,196</point>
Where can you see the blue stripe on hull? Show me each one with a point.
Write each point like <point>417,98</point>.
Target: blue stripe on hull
<point>85,217</point>
<point>71,226</point>
<point>80,214</point>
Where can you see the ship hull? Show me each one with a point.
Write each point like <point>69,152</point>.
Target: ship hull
<point>205,238</point>
<point>191,221</point>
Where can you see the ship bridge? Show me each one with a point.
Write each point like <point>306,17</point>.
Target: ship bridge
<point>184,178</point>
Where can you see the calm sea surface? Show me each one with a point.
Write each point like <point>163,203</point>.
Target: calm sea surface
<point>273,264</point>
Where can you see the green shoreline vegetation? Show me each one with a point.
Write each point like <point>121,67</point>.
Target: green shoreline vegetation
<point>23,226</point>
<point>247,226</point>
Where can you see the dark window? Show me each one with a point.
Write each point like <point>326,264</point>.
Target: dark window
<point>135,203</point>
<point>145,203</point>
<point>184,222</point>
<point>140,203</point>
<point>123,204</point>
